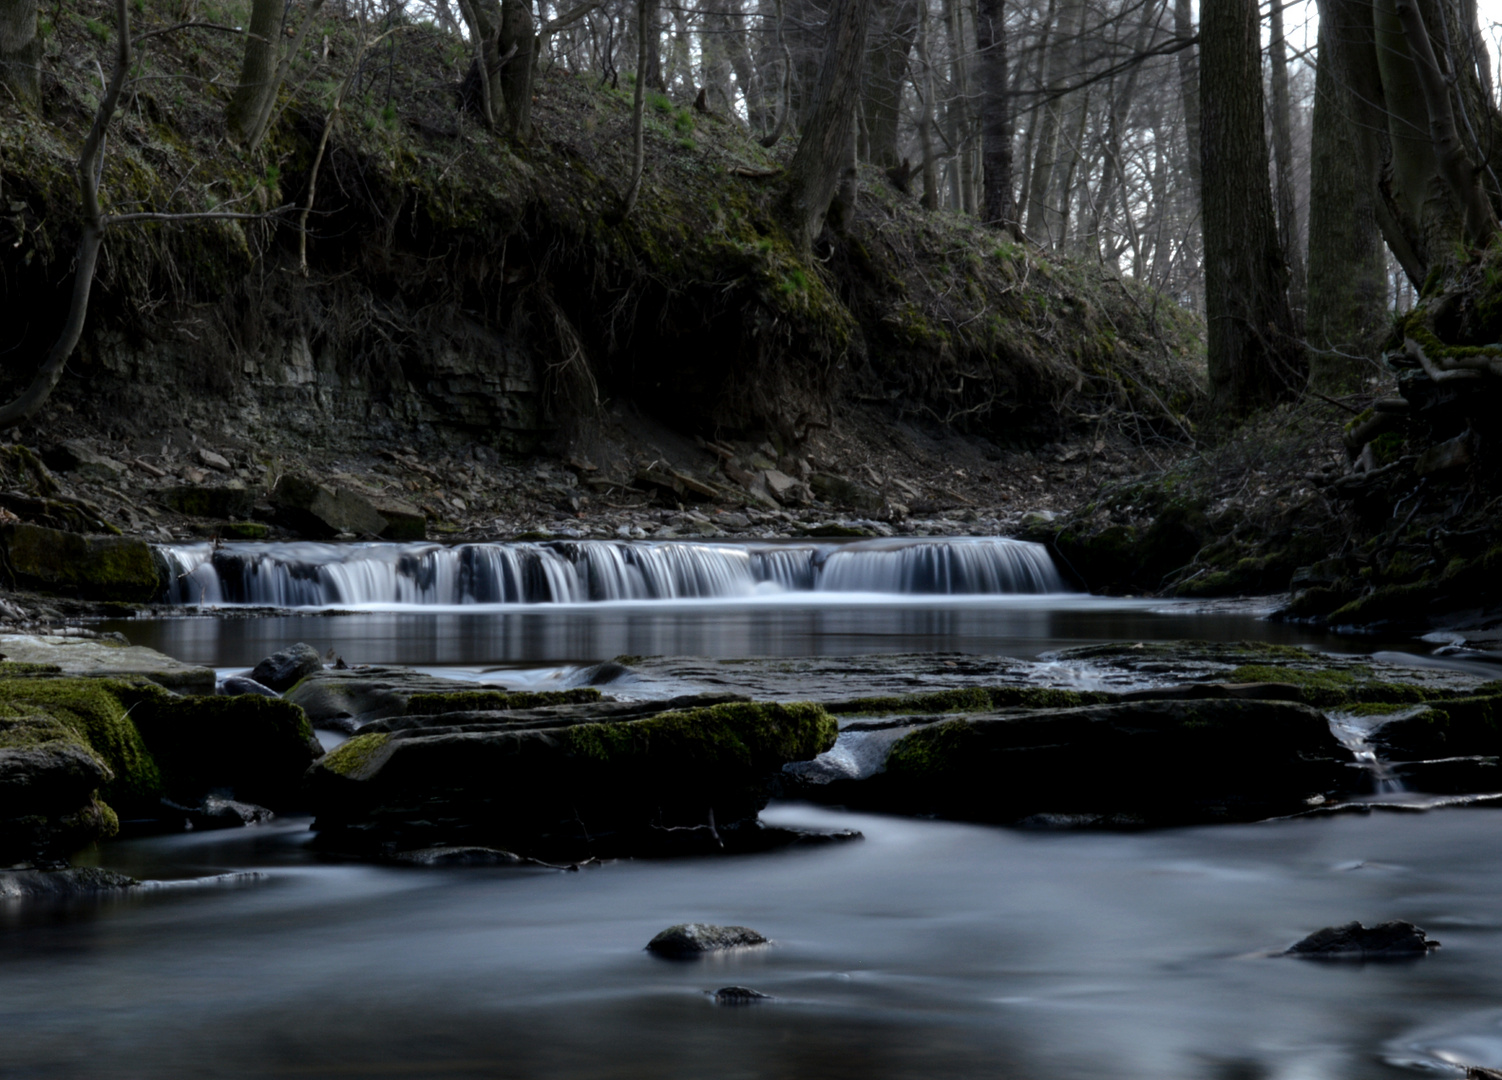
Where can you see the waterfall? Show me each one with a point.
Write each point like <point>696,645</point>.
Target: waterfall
<point>577,571</point>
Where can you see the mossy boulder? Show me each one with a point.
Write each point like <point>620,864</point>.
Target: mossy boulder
<point>679,780</point>
<point>89,567</point>
<point>49,790</point>
<point>427,704</point>
<point>1449,727</point>
<point>1131,763</point>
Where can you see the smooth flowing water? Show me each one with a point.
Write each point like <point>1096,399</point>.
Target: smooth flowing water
<point>928,949</point>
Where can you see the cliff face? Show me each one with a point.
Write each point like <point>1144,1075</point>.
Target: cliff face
<point>463,288</point>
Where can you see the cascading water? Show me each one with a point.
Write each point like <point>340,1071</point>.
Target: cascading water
<point>576,571</point>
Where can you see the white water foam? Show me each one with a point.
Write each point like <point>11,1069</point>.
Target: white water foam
<point>581,571</point>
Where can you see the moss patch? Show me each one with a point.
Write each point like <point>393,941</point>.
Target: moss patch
<point>1328,687</point>
<point>742,736</point>
<point>351,758</point>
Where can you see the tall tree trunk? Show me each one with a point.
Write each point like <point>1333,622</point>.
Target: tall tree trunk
<point>1251,351</point>
<point>1287,201</point>
<point>926,117</point>
<point>1347,262</point>
<point>646,21</point>
<point>21,52</point>
<point>1042,217</point>
<point>893,32</point>
<point>822,155</point>
<point>518,45</point>
<point>999,207</point>
<point>1030,132</point>
<point>257,85</point>
<point>1189,87</point>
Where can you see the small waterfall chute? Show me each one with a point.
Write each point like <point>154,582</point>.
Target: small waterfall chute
<point>579,571</point>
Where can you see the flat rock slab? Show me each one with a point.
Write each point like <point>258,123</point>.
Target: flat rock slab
<point>69,884</point>
<point>345,700</point>
<point>1354,941</point>
<point>101,659</point>
<point>688,940</point>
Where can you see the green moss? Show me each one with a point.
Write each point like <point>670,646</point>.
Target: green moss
<point>98,712</point>
<point>1045,697</point>
<point>746,736</point>
<point>498,700</point>
<point>1334,686</point>
<point>351,758</point>
<point>94,568</point>
<point>13,668</point>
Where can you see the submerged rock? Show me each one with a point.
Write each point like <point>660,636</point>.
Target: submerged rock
<point>283,670</point>
<point>739,995</point>
<point>696,939</point>
<point>217,812</point>
<point>677,781</point>
<point>459,856</point>
<point>1354,941</point>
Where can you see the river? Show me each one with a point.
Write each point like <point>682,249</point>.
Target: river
<point>927,949</point>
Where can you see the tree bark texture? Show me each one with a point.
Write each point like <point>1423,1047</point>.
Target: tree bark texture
<point>930,163</point>
<point>518,47</point>
<point>256,90</point>
<point>1252,354</point>
<point>821,158</point>
<point>1347,262</point>
<point>1289,234</point>
<point>895,26</point>
<point>21,52</point>
<point>999,205</point>
<point>483,19</point>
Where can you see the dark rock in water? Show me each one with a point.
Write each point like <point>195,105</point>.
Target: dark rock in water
<point>564,788</point>
<point>459,856</point>
<point>1449,727</point>
<point>1354,941</point>
<point>68,884</point>
<point>696,939</point>
<point>217,812</point>
<point>1141,762</point>
<point>281,671</point>
<point>49,790</point>
<point>257,748</point>
<point>240,684</point>
<point>739,995</point>
<point>89,567</point>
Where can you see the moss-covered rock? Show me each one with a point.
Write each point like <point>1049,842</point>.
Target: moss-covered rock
<point>1148,762</point>
<point>1331,686</point>
<point>101,658</point>
<point>1450,727</point>
<point>49,790</point>
<point>93,568</point>
<point>679,779</point>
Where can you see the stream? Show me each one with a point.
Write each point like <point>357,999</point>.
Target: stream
<point>928,949</point>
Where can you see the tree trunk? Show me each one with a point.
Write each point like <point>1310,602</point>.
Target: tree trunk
<point>886,74</point>
<point>926,118</point>
<point>1289,240</point>
<point>646,21</point>
<point>1189,88</point>
<point>1046,147</point>
<point>257,85</point>
<point>483,18</point>
<point>820,160</point>
<point>999,206</point>
<point>1347,263</point>
<point>21,52</point>
<point>1251,352</point>
<point>518,43</point>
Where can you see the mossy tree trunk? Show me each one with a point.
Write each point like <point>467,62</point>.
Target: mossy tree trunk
<point>822,157</point>
<point>1253,357</point>
<point>20,52</point>
<point>1347,298</point>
